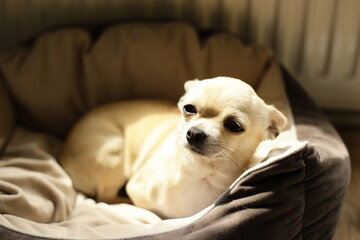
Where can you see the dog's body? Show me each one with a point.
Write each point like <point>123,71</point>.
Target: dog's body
<point>173,162</point>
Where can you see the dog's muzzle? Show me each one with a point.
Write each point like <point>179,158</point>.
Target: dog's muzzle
<point>196,139</point>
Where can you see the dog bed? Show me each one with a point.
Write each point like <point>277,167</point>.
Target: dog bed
<point>296,192</point>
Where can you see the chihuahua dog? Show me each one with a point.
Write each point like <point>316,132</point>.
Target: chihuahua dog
<point>174,163</point>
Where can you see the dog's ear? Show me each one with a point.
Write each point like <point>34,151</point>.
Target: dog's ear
<point>187,86</point>
<point>277,122</point>
<point>190,84</point>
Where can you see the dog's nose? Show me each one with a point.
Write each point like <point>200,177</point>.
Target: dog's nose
<point>195,136</point>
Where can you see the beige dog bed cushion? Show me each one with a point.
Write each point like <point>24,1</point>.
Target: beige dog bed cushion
<point>295,193</point>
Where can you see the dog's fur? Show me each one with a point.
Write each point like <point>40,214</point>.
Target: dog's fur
<point>173,162</point>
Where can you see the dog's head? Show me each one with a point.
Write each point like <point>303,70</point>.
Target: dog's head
<point>224,118</point>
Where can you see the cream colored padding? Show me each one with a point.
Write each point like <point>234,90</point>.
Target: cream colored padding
<point>66,73</point>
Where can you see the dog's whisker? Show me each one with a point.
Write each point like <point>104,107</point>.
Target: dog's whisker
<point>231,153</point>
<point>199,166</point>
<point>226,153</point>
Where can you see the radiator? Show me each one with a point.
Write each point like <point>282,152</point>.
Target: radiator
<point>317,40</point>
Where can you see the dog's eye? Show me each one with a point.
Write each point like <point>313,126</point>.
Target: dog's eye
<point>190,109</point>
<point>233,126</point>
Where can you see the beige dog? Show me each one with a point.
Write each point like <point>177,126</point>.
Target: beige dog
<point>173,163</point>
